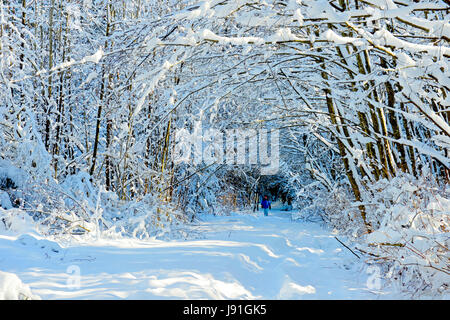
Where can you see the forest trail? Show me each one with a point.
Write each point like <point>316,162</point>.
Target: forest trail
<point>241,256</point>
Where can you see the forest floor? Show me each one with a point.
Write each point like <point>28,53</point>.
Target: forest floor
<point>241,256</point>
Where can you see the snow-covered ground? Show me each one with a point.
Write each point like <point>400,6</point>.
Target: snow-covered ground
<point>241,256</point>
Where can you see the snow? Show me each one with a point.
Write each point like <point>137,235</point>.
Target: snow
<point>299,17</point>
<point>332,36</point>
<point>16,175</point>
<point>90,77</point>
<point>12,288</point>
<point>240,256</point>
<point>5,202</point>
<point>209,35</point>
<point>283,34</point>
<point>418,249</point>
<point>291,290</point>
<point>385,38</point>
<point>95,58</point>
<point>15,221</point>
<point>228,63</point>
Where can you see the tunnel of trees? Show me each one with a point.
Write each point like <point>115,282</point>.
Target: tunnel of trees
<point>358,90</point>
<point>92,92</point>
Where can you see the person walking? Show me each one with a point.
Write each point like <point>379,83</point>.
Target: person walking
<point>265,205</point>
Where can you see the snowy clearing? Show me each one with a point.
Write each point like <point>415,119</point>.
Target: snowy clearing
<point>242,256</point>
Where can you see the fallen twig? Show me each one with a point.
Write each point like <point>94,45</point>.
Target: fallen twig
<point>347,247</point>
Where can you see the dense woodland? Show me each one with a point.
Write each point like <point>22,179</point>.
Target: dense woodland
<point>92,92</point>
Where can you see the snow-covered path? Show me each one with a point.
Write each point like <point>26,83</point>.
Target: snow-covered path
<point>242,256</point>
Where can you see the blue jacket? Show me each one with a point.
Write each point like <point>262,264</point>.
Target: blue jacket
<point>265,204</point>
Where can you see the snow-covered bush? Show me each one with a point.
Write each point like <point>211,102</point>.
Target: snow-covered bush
<point>333,208</point>
<point>339,211</point>
<point>15,221</point>
<point>12,180</point>
<point>410,218</point>
<point>11,177</point>
<point>5,201</point>
<point>149,217</point>
<point>78,207</point>
<point>411,221</point>
<point>12,288</point>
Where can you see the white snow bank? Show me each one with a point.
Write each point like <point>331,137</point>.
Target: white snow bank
<point>241,256</point>
<point>12,288</point>
<point>292,290</point>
